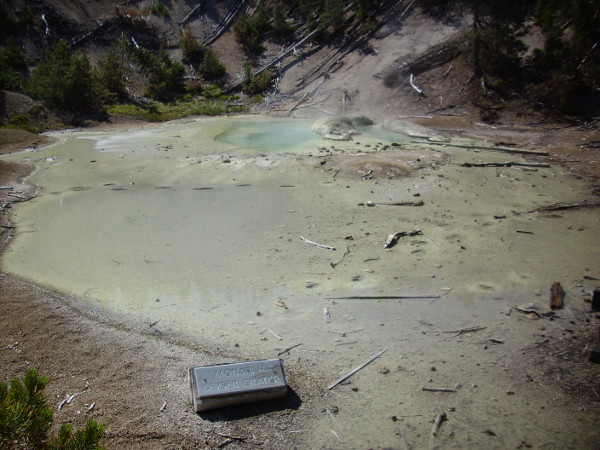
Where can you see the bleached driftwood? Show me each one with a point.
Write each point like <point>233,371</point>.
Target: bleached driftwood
<point>353,371</point>
<point>393,238</point>
<point>411,80</point>
<point>274,334</point>
<point>316,244</point>
<point>69,399</point>
<point>296,105</point>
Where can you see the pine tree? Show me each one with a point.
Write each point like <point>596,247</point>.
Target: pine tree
<point>64,80</point>
<point>26,419</point>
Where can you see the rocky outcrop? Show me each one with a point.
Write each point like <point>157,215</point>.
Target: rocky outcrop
<point>337,128</point>
<point>412,130</point>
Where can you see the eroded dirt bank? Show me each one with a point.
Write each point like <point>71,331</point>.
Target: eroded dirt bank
<point>132,375</point>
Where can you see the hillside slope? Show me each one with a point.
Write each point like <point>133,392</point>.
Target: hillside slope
<point>356,74</point>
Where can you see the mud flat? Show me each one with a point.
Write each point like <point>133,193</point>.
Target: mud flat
<point>174,232</point>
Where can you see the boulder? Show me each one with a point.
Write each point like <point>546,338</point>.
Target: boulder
<point>338,128</point>
<point>361,121</point>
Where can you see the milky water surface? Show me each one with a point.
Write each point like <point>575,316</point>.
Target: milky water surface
<point>180,229</point>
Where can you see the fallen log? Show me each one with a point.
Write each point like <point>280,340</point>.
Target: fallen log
<point>381,297</point>
<point>465,330</point>
<point>437,389</point>
<point>408,203</point>
<point>557,294</point>
<point>494,149</point>
<point>565,206</point>
<point>506,164</point>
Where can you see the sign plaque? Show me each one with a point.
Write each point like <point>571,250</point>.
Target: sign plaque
<point>230,384</point>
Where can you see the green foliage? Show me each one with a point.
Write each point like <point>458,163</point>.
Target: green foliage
<point>567,69</point>
<point>281,25</point>
<point>88,438</point>
<point>211,67</point>
<point>64,80</point>
<point>12,65</point>
<point>256,84</point>
<point>112,72</point>
<point>158,112</point>
<point>24,415</point>
<point>20,122</point>
<point>7,23</point>
<point>26,419</point>
<point>164,75</point>
<point>192,51</point>
<point>159,8</point>
<point>332,17</point>
<point>212,91</point>
<point>248,35</point>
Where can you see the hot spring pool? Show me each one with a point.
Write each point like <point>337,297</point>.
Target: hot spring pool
<point>193,229</point>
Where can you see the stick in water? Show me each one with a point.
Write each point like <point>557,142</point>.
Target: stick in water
<point>353,371</point>
<point>438,421</point>
<point>326,247</point>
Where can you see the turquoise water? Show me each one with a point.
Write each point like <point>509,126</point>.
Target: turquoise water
<point>281,135</point>
<point>269,137</point>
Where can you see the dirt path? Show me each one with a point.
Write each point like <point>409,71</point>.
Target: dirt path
<point>137,383</point>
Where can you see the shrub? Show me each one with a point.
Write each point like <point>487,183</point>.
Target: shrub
<point>26,418</point>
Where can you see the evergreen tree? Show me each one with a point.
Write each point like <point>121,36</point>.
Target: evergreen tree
<point>248,35</point>
<point>12,65</point>
<point>112,73</point>
<point>26,419</point>
<point>164,75</point>
<point>566,71</point>
<point>191,49</point>
<point>211,67</point>
<point>64,80</point>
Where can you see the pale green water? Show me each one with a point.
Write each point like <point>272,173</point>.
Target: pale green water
<point>167,225</point>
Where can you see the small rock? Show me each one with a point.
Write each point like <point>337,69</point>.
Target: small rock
<point>382,369</point>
